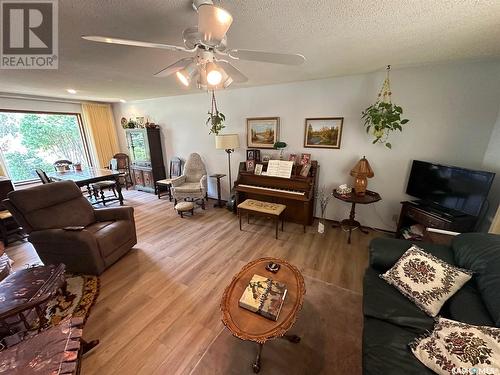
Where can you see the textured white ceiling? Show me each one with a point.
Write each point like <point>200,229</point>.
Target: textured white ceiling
<point>338,37</point>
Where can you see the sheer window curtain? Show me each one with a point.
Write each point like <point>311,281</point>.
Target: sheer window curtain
<point>100,126</point>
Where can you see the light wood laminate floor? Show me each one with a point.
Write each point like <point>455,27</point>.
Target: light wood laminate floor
<point>158,308</point>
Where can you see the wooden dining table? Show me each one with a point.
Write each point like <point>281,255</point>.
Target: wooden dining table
<point>88,176</point>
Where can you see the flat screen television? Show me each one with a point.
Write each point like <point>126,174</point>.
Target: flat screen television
<point>453,188</point>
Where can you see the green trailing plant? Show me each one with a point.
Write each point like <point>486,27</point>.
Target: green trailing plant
<point>383,117</point>
<point>215,118</point>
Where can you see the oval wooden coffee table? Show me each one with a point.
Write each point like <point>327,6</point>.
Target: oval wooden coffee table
<point>247,325</point>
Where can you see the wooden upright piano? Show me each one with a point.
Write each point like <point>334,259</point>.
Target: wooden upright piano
<point>297,193</point>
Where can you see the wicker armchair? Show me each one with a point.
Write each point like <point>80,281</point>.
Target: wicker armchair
<point>192,184</point>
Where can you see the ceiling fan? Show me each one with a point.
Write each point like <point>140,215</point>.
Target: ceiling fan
<point>209,68</point>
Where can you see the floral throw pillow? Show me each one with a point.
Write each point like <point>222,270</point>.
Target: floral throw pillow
<point>459,348</point>
<point>425,279</point>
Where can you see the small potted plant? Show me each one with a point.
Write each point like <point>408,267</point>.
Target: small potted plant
<point>61,167</point>
<point>384,116</point>
<point>131,124</point>
<point>78,166</point>
<point>280,146</point>
<point>215,118</point>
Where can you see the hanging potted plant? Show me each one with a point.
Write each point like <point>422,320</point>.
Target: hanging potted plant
<point>215,118</point>
<point>383,117</point>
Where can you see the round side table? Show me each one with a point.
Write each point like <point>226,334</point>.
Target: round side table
<point>352,224</point>
<point>247,325</point>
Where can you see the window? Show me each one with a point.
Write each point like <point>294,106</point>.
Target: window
<point>30,141</point>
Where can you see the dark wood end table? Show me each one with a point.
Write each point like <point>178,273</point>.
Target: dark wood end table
<point>352,224</point>
<point>219,200</point>
<point>247,325</point>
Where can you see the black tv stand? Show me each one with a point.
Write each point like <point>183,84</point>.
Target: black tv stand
<point>430,216</point>
<point>438,210</point>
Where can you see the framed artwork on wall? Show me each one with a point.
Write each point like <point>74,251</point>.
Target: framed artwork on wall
<point>323,132</point>
<point>262,132</point>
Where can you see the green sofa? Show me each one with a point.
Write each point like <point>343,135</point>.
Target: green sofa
<point>391,321</point>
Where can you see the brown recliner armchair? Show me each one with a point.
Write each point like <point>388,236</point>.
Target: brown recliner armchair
<point>51,215</point>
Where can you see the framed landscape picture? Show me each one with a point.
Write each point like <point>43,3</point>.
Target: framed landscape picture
<point>263,132</point>
<point>323,132</point>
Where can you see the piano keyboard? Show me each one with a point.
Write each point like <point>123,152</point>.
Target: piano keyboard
<point>302,193</point>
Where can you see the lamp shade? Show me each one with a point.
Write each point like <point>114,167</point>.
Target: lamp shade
<point>227,141</point>
<point>362,168</point>
<point>213,23</point>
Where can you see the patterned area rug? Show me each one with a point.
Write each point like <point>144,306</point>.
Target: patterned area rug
<point>81,294</point>
<point>330,325</point>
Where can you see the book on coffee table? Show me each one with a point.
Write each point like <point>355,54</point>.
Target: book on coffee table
<point>264,296</point>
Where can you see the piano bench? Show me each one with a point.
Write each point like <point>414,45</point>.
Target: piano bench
<point>264,209</point>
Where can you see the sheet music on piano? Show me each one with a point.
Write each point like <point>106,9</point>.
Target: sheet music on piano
<point>280,168</point>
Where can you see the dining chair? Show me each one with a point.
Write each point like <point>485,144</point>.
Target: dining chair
<point>123,166</point>
<point>43,176</point>
<point>165,185</point>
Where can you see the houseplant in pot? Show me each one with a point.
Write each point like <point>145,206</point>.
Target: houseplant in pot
<point>383,117</point>
<point>280,146</point>
<point>215,118</point>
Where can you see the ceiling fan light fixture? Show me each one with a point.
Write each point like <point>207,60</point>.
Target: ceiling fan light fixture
<point>186,75</point>
<point>214,75</point>
<point>213,23</point>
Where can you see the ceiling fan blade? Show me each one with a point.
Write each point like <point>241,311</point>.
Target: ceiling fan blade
<point>133,43</point>
<point>231,71</point>
<point>268,57</point>
<point>175,67</point>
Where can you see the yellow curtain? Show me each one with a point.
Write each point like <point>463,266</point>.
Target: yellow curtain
<point>495,226</point>
<point>99,122</point>
<point>3,170</point>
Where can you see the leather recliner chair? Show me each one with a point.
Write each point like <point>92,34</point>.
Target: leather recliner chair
<point>64,227</point>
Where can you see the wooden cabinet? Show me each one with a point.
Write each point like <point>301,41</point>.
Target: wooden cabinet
<point>413,213</point>
<point>146,157</point>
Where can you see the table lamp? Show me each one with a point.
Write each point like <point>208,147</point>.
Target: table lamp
<point>227,142</point>
<point>361,172</point>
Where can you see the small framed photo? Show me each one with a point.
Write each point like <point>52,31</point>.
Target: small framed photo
<point>323,132</point>
<point>250,154</point>
<point>258,169</point>
<point>266,158</point>
<point>250,164</point>
<point>305,159</point>
<point>141,122</point>
<point>257,155</point>
<point>292,157</point>
<point>304,172</point>
<point>262,132</point>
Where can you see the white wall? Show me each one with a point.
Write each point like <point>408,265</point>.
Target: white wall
<point>452,110</point>
<point>491,162</point>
